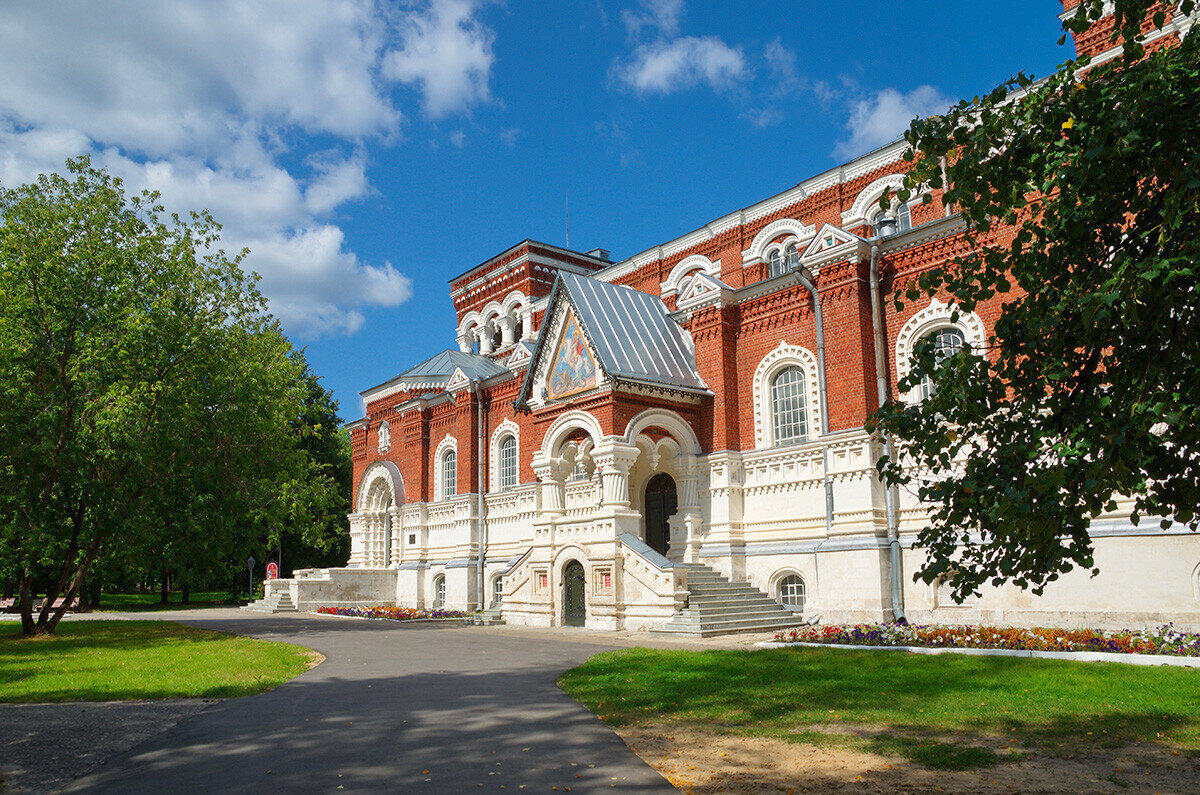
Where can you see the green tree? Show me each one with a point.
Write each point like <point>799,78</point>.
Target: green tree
<point>146,396</point>
<point>1089,390</point>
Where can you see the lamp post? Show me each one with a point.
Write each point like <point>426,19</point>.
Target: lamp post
<point>250,561</point>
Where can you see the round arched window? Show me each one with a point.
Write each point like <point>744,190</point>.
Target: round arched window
<point>792,592</point>
<point>439,591</point>
<point>788,416</point>
<point>449,474</point>
<point>775,264</point>
<point>946,342</point>
<point>508,462</point>
<point>497,590</point>
<point>791,257</point>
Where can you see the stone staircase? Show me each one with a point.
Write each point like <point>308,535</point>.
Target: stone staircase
<point>278,602</point>
<point>717,606</point>
<point>487,618</point>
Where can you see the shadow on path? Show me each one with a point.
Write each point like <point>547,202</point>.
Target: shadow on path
<point>427,707</point>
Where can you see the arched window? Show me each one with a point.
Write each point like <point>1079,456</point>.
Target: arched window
<point>497,590</point>
<point>946,342</point>
<point>788,415</point>
<point>439,591</point>
<point>791,257</point>
<point>385,436</point>
<point>449,474</point>
<point>508,463</point>
<point>792,592</point>
<point>775,265</point>
<point>900,212</point>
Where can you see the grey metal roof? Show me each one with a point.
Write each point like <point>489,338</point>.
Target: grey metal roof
<point>446,362</point>
<point>632,333</point>
<point>438,368</point>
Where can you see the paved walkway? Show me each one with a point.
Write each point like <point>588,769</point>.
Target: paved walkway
<point>411,708</point>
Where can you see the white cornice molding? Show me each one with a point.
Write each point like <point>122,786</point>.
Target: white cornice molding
<point>869,162</point>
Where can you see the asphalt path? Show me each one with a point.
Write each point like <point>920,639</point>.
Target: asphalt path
<point>395,707</point>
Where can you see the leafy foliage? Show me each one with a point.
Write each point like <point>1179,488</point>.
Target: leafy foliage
<point>1081,198</point>
<point>147,400</point>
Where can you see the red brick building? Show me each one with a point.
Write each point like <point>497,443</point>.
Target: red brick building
<point>676,440</point>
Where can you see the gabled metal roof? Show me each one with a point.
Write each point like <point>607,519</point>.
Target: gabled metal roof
<point>632,335</point>
<point>437,369</point>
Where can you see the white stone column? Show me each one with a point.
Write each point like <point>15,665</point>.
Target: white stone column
<point>526,322</point>
<point>464,342</point>
<point>549,474</point>
<point>508,327</point>
<point>485,339</point>
<point>614,462</point>
<point>357,541</point>
<point>690,517</point>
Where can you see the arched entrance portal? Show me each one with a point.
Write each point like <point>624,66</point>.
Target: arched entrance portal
<point>574,599</point>
<point>661,504</point>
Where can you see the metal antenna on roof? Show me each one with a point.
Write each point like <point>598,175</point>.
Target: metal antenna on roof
<point>567,206</point>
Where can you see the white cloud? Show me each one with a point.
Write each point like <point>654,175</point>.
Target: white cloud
<point>202,100</point>
<point>447,53</point>
<point>660,15</point>
<point>458,138</point>
<point>668,66</point>
<point>509,136</point>
<point>884,117</point>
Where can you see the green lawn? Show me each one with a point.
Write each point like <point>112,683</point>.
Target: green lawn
<point>933,710</point>
<point>107,660</point>
<point>145,602</point>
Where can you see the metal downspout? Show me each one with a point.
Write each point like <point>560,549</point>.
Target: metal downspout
<point>889,492</point>
<point>806,281</point>
<point>481,469</point>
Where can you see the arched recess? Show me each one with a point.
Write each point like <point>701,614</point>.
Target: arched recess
<point>506,428</point>
<point>381,485</point>
<point>687,267</point>
<point>936,316</point>
<point>776,229</point>
<point>784,356</point>
<point>670,422</point>
<point>468,331</point>
<point>564,425</point>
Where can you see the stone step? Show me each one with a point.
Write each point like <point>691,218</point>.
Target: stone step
<point>717,606</point>
<point>738,611</point>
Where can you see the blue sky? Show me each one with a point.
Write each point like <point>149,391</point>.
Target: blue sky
<point>367,152</point>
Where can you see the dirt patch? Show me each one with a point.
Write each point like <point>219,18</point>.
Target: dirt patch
<point>314,658</point>
<point>698,761</point>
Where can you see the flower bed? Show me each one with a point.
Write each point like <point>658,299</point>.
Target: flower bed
<point>391,613</point>
<point>1163,640</point>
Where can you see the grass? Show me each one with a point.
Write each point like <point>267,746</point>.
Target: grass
<point>942,712</point>
<point>111,660</point>
<point>149,602</point>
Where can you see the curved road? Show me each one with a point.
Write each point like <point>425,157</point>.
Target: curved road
<point>403,708</point>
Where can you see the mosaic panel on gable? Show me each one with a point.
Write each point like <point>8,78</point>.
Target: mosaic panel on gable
<point>573,369</point>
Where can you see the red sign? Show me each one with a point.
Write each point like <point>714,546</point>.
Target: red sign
<point>272,570</point>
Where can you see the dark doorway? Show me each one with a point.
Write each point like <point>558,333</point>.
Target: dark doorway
<point>661,504</point>
<point>574,599</point>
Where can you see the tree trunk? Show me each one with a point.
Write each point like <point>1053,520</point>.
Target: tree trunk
<point>81,602</point>
<point>187,591</point>
<point>165,588</point>
<point>25,600</point>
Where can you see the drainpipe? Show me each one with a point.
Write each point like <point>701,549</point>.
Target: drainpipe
<point>889,493</point>
<point>481,469</point>
<point>805,280</point>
